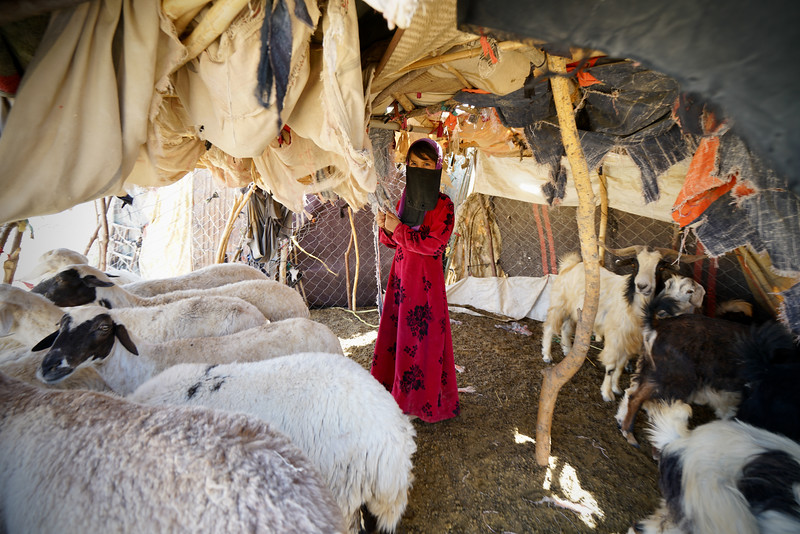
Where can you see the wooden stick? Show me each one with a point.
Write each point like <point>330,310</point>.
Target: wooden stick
<point>555,377</point>
<point>601,234</point>
<point>102,259</point>
<point>10,265</point>
<point>347,272</point>
<point>216,21</point>
<point>387,54</point>
<point>458,75</point>
<point>174,9</point>
<point>461,54</point>
<point>226,235</point>
<point>358,256</point>
<point>4,234</point>
<point>182,22</point>
<point>282,265</point>
<point>404,101</point>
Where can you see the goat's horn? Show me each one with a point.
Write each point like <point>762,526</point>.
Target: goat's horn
<point>685,258</point>
<point>627,251</point>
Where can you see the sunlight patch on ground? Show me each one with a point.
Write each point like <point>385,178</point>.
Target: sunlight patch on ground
<point>575,497</point>
<point>359,341</point>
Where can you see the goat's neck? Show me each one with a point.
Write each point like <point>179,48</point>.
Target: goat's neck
<point>124,371</point>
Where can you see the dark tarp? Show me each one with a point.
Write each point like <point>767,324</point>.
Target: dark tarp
<point>737,54</point>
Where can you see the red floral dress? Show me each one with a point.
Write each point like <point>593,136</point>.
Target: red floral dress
<point>413,355</point>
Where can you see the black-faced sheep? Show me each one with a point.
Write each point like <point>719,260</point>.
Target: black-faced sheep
<point>77,462</point>
<point>125,361</point>
<point>364,455</point>
<point>216,275</point>
<point>82,284</point>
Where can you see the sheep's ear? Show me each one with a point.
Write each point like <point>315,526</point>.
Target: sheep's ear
<point>122,334</point>
<point>46,342</point>
<point>6,322</point>
<point>93,281</point>
<point>112,275</point>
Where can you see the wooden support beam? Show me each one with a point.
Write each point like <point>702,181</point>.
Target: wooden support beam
<point>458,76</point>
<point>601,233</point>
<point>403,100</point>
<point>387,54</point>
<point>555,377</point>
<point>461,54</point>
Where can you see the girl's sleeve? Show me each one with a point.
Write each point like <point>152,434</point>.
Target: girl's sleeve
<point>429,240</point>
<point>386,239</point>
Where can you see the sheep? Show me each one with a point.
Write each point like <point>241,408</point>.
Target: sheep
<point>770,363</point>
<point>24,365</point>
<point>79,461</point>
<point>689,358</point>
<point>727,476</point>
<point>26,317</point>
<point>125,361</point>
<point>364,455</point>
<point>82,284</point>
<point>619,309</point>
<point>211,276</point>
<point>55,260</point>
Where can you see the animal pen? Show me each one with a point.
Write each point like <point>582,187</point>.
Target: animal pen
<point>555,140</point>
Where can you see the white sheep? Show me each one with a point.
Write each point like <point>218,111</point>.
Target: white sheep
<point>77,462</point>
<point>55,260</point>
<point>187,318</point>
<point>26,317</point>
<point>23,364</point>
<point>318,401</point>
<point>125,360</point>
<point>211,276</point>
<point>83,284</point>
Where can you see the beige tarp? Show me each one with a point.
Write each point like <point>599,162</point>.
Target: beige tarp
<point>516,297</point>
<point>523,180</point>
<point>167,243</point>
<point>79,118</point>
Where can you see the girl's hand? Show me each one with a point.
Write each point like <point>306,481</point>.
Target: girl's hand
<point>380,219</point>
<point>391,222</point>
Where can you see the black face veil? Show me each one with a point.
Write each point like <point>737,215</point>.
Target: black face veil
<point>422,194</point>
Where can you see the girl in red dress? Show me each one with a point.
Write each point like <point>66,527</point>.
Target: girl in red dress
<point>413,355</point>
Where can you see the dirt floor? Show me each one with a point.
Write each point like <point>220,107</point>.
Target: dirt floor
<point>478,473</point>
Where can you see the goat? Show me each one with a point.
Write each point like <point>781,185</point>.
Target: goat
<point>688,358</point>
<point>79,461</point>
<point>363,455</point>
<point>687,294</point>
<point>619,309</point>
<point>727,476</point>
<point>771,374</point>
<point>125,361</point>
<point>83,284</point>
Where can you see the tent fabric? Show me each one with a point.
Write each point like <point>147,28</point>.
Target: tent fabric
<point>88,92</point>
<point>625,106</point>
<point>516,297</point>
<point>218,88</point>
<point>525,180</point>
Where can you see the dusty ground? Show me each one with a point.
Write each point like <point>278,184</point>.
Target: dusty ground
<point>477,473</point>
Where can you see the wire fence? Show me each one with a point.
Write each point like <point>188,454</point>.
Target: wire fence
<point>335,254</point>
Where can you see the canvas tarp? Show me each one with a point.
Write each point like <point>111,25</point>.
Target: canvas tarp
<point>80,115</point>
<point>524,180</point>
<point>516,297</point>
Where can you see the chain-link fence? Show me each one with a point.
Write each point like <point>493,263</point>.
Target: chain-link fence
<point>335,250</point>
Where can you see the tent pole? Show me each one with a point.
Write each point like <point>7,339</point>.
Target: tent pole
<point>601,234</point>
<point>555,377</point>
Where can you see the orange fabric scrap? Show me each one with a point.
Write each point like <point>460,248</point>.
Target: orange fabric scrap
<point>702,186</point>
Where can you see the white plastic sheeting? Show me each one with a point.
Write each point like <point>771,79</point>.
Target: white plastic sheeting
<point>515,297</point>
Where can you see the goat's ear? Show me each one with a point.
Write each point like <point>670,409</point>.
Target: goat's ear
<point>93,281</point>
<point>122,334</point>
<point>46,342</point>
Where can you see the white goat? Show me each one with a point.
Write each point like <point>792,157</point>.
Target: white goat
<point>726,476</point>
<point>82,284</point>
<point>687,294</point>
<point>318,401</point>
<point>211,276</point>
<point>125,360</point>
<point>76,462</point>
<point>618,319</point>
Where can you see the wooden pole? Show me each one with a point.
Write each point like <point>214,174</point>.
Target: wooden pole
<point>226,234</point>
<point>347,272</point>
<point>601,233</point>
<point>104,236</point>
<point>284,259</point>
<point>555,377</point>
<point>461,54</point>
<point>10,265</point>
<point>358,257</point>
